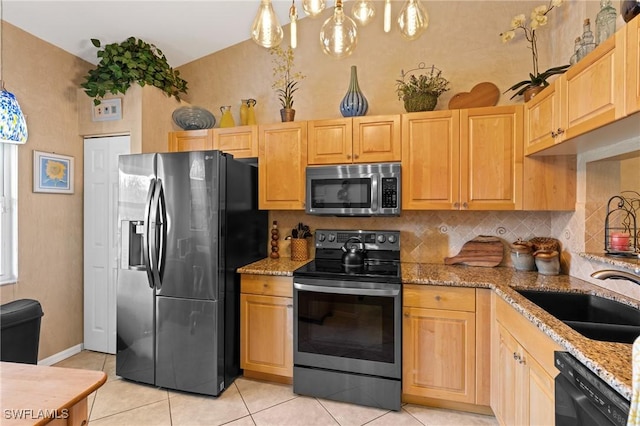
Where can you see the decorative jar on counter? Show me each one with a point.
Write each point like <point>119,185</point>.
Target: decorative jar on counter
<point>547,262</point>
<point>522,256</point>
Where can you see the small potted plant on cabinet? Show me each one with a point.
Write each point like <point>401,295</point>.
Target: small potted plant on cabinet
<point>421,93</point>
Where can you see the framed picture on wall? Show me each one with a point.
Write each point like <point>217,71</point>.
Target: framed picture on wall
<point>52,173</point>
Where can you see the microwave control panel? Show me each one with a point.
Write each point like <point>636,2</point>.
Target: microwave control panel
<point>389,193</point>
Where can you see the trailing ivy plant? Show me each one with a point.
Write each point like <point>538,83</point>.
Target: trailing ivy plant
<point>133,60</point>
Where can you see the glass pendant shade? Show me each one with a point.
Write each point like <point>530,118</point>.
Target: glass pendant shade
<point>387,16</point>
<point>293,27</point>
<point>13,126</point>
<point>338,35</point>
<point>313,7</point>
<point>363,11</point>
<point>413,20</point>
<point>266,31</point>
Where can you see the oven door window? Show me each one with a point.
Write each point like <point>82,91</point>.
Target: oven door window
<point>346,326</point>
<point>341,193</point>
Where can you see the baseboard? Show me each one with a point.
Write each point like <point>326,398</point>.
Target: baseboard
<point>55,358</point>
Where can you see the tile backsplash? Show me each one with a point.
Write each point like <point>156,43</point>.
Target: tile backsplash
<point>428,236</point>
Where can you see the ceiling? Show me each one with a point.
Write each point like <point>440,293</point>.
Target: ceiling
<point>184,30</point>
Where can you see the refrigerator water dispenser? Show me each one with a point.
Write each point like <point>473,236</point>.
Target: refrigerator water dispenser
<point>132,244</point>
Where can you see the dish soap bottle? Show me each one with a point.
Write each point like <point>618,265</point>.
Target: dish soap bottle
<point>605,21</point>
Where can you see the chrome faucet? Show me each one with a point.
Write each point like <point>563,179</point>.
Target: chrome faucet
<point>616,275</point>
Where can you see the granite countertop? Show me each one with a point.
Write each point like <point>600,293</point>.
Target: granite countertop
<point>281,266</point>
<point>610,361</point>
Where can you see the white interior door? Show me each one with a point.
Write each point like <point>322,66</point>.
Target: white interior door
<point>101,240</point>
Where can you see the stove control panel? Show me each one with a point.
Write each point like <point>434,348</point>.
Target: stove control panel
<point>373,240</point>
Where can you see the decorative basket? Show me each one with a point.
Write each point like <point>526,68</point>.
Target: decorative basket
<point>299,249</point>
<point>420,102</point>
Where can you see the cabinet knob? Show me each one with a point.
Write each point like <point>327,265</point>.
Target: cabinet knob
<point>438,298</point>
<point>559,131</point>
<point>553,134</point>
<point>289,306</point>
<point>465,205</point>
<point>355,156</point>
<point>456,205</point>
<point>348,157</point>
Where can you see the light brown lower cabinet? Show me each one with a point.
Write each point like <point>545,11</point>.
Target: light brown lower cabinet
<point>266,327</point>
<point>446,346</point>
<point>522,385</point>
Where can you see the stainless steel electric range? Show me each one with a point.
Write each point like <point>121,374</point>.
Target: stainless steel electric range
<point>347,319</point>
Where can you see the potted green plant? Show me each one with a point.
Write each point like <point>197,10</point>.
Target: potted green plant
<point>421,93</point>
<point>286,80</point>
<point>537,80</point>
<point>133,60</point>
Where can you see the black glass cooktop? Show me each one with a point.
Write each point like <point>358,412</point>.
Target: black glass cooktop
<point>373,270</point>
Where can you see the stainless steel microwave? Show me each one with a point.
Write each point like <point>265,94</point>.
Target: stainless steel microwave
<point>354,190</point>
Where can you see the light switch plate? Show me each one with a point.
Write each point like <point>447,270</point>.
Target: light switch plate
<point>107,110</point>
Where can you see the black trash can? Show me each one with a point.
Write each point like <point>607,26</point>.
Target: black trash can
<point>20,331</point>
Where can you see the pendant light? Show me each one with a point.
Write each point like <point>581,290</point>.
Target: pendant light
<point>313,7</point>
<point>413,20</point>
<point>387,16</point>
<point>13,126</point>
<point>338,35</point>
<point>266,31</point>
<point>363,11</point>
<point>293,27</point>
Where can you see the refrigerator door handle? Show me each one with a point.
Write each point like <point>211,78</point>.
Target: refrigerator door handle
<point>148,242</point>
<point>162,234</point>
<point>155,227</point>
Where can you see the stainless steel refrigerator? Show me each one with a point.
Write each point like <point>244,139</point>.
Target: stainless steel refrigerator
<point>187,222</point>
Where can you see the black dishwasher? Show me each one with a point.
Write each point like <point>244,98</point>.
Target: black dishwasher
<point>584,399</point>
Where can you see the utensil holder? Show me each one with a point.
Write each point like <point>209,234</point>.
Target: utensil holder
<point>299,249</point>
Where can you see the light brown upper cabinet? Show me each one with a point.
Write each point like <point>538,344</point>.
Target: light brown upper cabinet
<point>633,66</point>
<point>241,141</point>
<point>589,95</point>
<point>467,159</point>
<point>374,139</point>
<point>282,160</point>
<point>190,140</point>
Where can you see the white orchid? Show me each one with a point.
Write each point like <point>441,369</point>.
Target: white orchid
<point>538,19</point>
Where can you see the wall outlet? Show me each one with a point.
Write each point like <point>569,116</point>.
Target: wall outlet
<point>107,110</point>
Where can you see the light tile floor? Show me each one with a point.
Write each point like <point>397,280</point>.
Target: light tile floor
<point>245,403</point>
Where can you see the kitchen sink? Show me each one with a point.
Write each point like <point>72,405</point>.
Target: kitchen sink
<point>592,316</point>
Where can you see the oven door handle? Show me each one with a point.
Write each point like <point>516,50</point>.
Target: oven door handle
<point>346,290</point>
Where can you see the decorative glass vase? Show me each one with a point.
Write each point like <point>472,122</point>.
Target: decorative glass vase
<point>354,103</point>
<point>605,21</point>
<point>420,102</point>
<point>227,119</point>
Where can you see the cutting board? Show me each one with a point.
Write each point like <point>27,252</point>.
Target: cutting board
<point>482,95</point>
<point>481,251</point>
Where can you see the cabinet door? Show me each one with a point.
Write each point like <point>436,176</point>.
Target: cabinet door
<point>282,159</point>
<point>542,120</point>
<point>491,155</point>
<point>439,354</point>
<point>241,142</point>
<point>633,66</point>
<point>593,90</point>
<point>376,139</point>
<point>506,392</point>
<point>430,160</point>
<point>190,140</point>
<point>330,141</point>
<point>266,334</point>
<point>541,394</point>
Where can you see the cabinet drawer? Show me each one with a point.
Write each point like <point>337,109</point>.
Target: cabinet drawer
<point>267,285</point>
<point>440,297</point>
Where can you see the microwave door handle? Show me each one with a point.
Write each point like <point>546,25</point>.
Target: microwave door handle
<point>374,192</point>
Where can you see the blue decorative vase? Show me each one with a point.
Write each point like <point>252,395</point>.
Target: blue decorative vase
<point>354,103</point>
